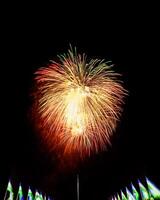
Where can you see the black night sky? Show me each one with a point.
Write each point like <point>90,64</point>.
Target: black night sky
<point>128,38</point>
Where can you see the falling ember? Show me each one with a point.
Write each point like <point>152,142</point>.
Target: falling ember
<point>78,103</point>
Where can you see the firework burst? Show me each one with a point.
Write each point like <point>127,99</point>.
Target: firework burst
<point>78,103</point>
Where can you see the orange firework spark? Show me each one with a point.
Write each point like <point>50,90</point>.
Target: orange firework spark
<point>79,102</point>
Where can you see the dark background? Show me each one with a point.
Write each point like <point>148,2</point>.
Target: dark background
<point>125,35</point>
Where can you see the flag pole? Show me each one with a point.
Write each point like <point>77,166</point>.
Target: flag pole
<point>5,195</point>
<point>77,186</point>
<point>17,194</point>
<point>17,197</point>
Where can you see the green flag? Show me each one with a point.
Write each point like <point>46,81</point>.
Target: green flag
<point>9,191</point>
<point>123,196</point>
<point>9,187</point>
<point>153,190</point>
<point>129,195</point>
<point>143,191</point>
<point>30,195</point>
<point>20,193</point>
<point>118,197</point>
<point>38,196</point>
<point>134,192</point>
<point>41,196</point>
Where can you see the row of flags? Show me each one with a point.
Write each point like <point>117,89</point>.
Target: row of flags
<point>9,194</point>
<point>150,192</point>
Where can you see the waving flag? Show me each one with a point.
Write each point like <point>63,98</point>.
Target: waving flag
<point>143,191</point>
<point>123,196</point>
<point>9,193</point>
<point>38,196</point>
<point>135,193</point>
<point>30,195</point>
<point>153,190</point>
<point>20,193</point>
<point>115,198</point>
<point>129,195</point>
<point>118,197</point>
<point>41,197</point>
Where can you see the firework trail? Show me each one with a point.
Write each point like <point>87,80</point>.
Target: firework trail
<point>78,103</point>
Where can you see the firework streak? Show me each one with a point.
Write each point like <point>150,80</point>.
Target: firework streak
<point>78,103</point>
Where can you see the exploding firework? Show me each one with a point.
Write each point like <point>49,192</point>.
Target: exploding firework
<point>78,103</point>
